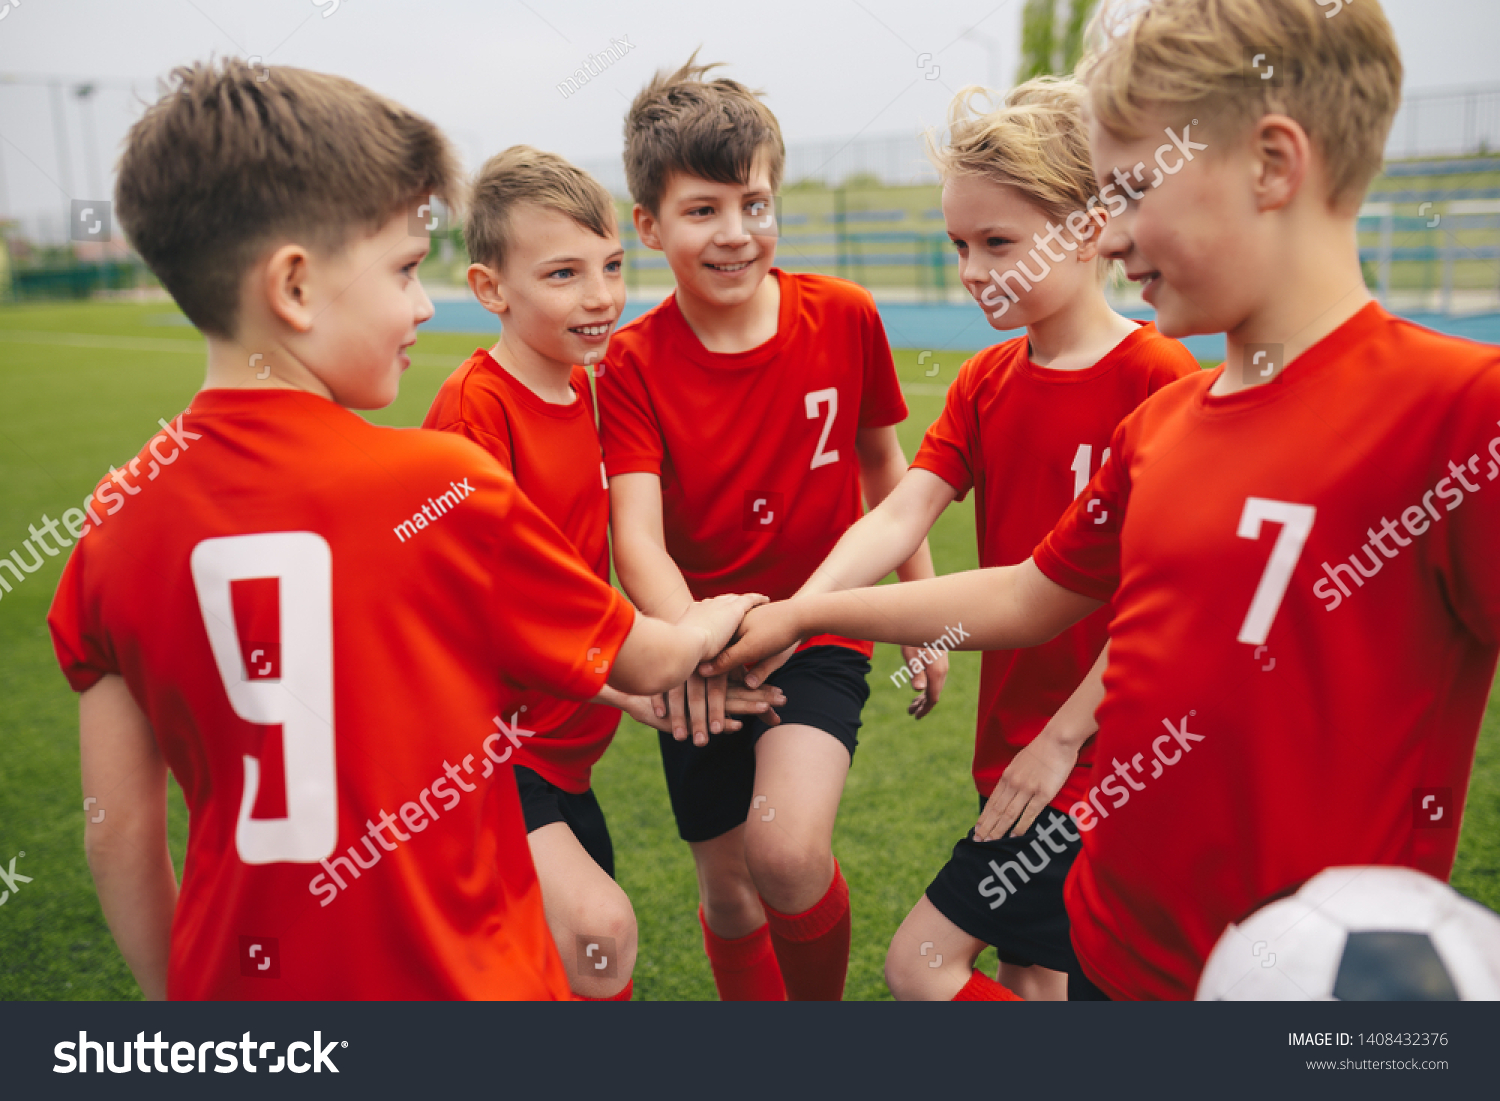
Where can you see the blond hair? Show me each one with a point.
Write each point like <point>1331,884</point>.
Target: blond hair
<point>520,175</point>
<point>233,158</point>
<point>1035,142</point>
<point>713,129</point>
<point>1339,73</point>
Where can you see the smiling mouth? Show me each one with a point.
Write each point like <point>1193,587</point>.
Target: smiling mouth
<point>729,268</point>
<point>591,330</point>
<point>1145,278</point>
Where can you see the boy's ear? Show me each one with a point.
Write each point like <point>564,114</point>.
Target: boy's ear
<point>485,284</point>
<point>1282,155</point>
<point>1088,247</point>
<point>645,227</point>
<point>285,279</point>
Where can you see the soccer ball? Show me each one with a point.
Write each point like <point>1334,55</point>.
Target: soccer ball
<point>1360,934</point>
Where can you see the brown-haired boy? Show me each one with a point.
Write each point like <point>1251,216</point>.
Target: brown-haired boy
<point>743,418</point>
<point>545,259</point>
<point>313,622</point>
<point>1306,591</point>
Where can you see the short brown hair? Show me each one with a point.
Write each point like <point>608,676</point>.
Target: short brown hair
<point>1339,69</point>
<point>232,157</point>
<point>1035,142</point>
<point>520,175</point>
<point>712,129</point>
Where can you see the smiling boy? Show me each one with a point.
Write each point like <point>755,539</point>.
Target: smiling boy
<point>255,622</point>
<point>545,259</point>
<point>1300,734</point>
<point>743,419</point>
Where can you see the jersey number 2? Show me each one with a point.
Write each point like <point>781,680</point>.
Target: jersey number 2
<point>301,702</point>
<point>1296,522</point>
<point>813,399</point>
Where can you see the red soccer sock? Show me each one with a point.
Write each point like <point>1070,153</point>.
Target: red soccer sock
<point>622,996</point>
<point>982,988</point>
<point>745,968</point>
<point>813,946</point>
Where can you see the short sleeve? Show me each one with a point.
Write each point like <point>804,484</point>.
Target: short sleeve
<point>1082,552</point>
<point>558,627</point>
<point>473,414</point>
<point>84,658</point>
<point>627,426</point>
<point>948,449</point>
<point>1466,560</point>
<point>881,401</point>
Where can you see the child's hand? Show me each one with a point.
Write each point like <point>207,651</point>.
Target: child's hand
<point>763,669</point>
<point>765,631</point>
<point>1033,779</point>
<point>933,665</point>
<point>718,618</point>
<point>704,706</point>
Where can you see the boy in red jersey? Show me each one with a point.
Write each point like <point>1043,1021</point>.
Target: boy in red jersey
<point>742,419</point>
<point>1024,425</point>
<point>546,260</point>
<point>311,621</point>
<point>1299,546</point>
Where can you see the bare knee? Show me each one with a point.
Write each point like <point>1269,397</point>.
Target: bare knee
<point>916,971</point>
<point>790,874</point>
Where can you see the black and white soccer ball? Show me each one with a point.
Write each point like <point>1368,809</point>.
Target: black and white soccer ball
<point>1360,934</point>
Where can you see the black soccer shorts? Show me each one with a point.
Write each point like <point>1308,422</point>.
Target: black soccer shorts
<point>1009,892</point>
<point>711,786</point>
<point>543,803</point>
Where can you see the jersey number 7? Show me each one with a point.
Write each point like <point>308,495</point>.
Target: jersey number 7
<point>1296,522</point>
<point>301,702</point>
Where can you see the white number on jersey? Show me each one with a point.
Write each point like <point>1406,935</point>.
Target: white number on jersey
<point>814,399</point>
<point>301,702</point>
<point>1082,461</point>
<point>1296,521</point>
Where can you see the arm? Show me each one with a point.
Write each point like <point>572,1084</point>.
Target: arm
<point>883,469</point>
<point>1002,608</point>
<point>657,655</point>
<point>1037,773</point>
<point>127,849</point>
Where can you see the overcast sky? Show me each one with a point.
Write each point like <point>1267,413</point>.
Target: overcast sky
<point>487,70</point>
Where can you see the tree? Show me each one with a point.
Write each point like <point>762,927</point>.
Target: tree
<point>1052,36</point>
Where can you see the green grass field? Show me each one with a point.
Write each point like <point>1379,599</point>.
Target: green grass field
<point>83,387</point>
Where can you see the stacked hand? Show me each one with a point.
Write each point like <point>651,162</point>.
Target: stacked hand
<point>705,703</point>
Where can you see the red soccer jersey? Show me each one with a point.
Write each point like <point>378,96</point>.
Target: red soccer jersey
<point>759,474</point>
<point>553,453</point>
<point>1026,439</point>
<point>1307,618</point>
<point>322,620</point>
